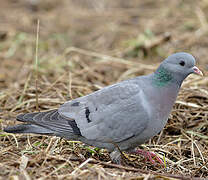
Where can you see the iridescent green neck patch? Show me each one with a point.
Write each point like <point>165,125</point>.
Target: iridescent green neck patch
<point>162,77</point>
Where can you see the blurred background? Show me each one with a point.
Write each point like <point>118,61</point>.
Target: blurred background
<point>85,45</point>
<point>141,31</point>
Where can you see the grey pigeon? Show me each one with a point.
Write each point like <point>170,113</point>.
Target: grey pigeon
<point>126,114</point>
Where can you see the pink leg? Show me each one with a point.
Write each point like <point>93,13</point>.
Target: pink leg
<point>149,155</point>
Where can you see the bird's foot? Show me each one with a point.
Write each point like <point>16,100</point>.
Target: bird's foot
<point>149,155</point>
<point>116,157</point>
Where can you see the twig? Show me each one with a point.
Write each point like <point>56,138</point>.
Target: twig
<point>81,165</point>
<point>182,177</point>
<point>42,100</point>
<point>106,57</point>
<point>56,169</point>
<point>205,164</point>
<point>110,165</point>
<point>25,88</point>
<point>36,66</point>
<point>70,86</point>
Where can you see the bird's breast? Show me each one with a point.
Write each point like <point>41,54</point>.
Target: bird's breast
<point>161,103</point>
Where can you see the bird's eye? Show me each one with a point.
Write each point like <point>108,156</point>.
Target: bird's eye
<point>182,63</point>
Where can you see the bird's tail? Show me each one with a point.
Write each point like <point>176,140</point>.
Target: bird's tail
<point>48,123</point>
<point>28,128</point>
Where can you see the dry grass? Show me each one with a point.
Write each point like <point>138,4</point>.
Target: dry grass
<point>124,40</point>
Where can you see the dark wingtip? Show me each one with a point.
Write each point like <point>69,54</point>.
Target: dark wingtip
<point>28,128</point>
<point>26,117</point>
<point>20,117</point>
<point>14,129</point>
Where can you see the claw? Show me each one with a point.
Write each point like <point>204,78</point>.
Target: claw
<point>157,158</point>
<point>150,156</point>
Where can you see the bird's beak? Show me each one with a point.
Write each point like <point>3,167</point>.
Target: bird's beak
<point>197,71</point>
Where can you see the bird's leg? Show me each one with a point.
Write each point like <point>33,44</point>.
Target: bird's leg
<point>117,155</point>
<point>148,155</point>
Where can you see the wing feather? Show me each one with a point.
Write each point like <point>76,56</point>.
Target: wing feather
<point>114,113</point>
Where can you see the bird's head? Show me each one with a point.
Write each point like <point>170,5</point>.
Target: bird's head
<point>176,68</point>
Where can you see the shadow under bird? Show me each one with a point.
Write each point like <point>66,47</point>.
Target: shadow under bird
<point>127,114</point>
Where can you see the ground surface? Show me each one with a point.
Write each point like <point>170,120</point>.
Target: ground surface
<point>85,45</point>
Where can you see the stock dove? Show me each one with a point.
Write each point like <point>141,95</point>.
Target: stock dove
<point>126,114</point>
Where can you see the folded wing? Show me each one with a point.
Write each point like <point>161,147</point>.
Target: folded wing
<point>112,114</point>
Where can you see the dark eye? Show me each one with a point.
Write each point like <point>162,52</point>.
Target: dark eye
<point>182,63</point>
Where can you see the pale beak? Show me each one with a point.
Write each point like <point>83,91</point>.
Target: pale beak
<point>197,71</point>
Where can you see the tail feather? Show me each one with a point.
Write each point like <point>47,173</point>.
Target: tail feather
<point>49,123</point>
<point>29,117</point>
<point>28,128</point>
